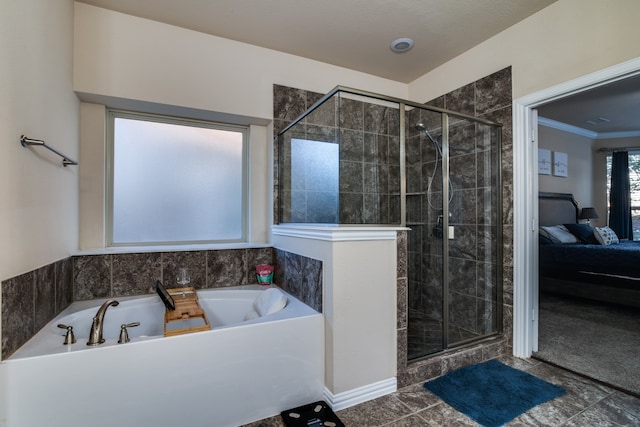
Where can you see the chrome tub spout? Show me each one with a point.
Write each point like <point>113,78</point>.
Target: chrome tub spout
<point>95,336</point>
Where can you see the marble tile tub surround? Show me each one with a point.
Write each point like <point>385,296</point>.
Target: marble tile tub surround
<point>32,299</point>
<point>300,276</point>
<point>117,275</point>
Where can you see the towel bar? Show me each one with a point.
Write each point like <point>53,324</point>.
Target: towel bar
<point>66,161</point>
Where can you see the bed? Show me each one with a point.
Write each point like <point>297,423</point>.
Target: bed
<point>585,267</point>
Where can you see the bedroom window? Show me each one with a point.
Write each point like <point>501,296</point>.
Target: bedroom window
<point>175,181</point>
<point>634,186</point>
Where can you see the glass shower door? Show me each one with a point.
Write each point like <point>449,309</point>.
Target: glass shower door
<point>455,234</point>
<point>473,251</point>
<point>424,217</point>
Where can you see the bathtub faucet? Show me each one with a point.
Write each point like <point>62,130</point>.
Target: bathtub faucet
<point>95,336</point>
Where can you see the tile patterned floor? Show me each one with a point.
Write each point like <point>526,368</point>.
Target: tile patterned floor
<point>586,403</point>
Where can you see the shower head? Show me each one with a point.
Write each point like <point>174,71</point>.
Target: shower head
<point>420,127</point>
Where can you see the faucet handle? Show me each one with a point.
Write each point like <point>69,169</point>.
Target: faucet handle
<point>69,338</point>
<point>124,335</point>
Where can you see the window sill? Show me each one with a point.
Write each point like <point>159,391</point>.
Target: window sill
<point>167,248</point>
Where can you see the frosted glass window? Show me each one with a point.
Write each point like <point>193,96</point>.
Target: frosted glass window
<point>176,181</point>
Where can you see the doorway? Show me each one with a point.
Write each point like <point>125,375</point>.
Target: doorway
<point>525,147</point>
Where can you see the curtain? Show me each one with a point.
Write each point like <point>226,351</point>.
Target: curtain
<point>620,196</point>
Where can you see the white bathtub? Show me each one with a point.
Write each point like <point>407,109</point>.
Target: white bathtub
<point>238,372</point>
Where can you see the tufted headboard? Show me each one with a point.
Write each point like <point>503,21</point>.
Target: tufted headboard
<point>557,208</point>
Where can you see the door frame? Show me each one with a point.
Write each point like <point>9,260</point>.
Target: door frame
<point>525,200</point>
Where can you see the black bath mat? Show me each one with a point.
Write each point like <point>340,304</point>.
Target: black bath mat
<point>317,414</point>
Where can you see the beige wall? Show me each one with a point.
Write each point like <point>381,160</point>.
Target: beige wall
<point>579,151</point>
<point>39,208</point>
<point>123,56</point>
<point>567,39</point>
<point>128,61</point>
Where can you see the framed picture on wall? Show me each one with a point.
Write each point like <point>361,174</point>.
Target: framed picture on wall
<point>560,164</point>
<point>544,161</point>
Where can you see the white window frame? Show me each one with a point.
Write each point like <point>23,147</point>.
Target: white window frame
<point>113,114</point>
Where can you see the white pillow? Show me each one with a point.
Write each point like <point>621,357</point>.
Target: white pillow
<point>558,234</point>
<point>606,236</point>
<point>251,315</point>
<point>544,233</point>
<point>270,301</point>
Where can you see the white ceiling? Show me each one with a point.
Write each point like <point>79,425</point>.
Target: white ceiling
<point>356,34</point>
<point>614,110</point>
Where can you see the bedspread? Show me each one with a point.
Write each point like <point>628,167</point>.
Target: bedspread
<point>622,259</point>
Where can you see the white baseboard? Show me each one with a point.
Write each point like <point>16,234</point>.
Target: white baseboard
<point>361,394</point>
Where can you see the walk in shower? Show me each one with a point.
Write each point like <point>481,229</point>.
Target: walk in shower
<point>357,158</point>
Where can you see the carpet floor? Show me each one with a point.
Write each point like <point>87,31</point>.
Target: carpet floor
<point>592,339</point>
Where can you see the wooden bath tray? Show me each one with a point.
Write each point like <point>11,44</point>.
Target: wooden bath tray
<point>188,316</point>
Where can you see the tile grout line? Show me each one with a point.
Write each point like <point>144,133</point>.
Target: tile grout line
<point>587,408</point>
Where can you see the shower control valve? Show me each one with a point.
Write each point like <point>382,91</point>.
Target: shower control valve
<point>69,338</point>
<point>124,335</point>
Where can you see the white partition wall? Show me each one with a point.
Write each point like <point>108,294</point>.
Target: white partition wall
<point>359,305</point>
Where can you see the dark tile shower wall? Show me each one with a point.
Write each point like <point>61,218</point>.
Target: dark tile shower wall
<point>489,98</point>
<point>31,300</point>
<point>369,163</point>
<point>428,368</point>
<point>288,104</point>
<point>310,191</point>
<point>472,212</point>
<point>423,207</point>
<point>369,174</point>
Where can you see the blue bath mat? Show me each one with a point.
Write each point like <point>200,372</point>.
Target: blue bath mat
<point>492,393</point>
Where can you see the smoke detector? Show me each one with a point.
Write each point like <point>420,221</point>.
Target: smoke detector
<point>401,45</point>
